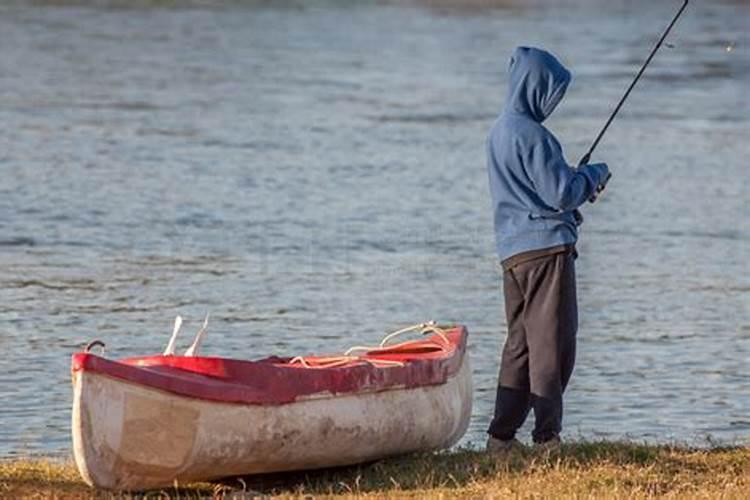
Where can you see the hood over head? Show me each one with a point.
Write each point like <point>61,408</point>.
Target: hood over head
<point>537,82</point>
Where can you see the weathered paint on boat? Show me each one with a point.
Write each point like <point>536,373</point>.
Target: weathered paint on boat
<point>129,434</point>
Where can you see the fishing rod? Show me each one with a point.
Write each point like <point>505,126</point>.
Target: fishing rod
<point>587,156</point>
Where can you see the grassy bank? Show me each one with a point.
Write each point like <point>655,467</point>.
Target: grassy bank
<point>580,470</point>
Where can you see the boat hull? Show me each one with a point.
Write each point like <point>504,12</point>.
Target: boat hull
<point>130,436</point>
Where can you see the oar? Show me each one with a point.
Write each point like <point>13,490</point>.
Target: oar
<point>169,351</point>
<point>587,156</point>
<point>193,349</point>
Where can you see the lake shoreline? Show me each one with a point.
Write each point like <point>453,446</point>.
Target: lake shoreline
<point>580,470</point>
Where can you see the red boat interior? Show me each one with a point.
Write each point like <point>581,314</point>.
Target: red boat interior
<point>427,361</point>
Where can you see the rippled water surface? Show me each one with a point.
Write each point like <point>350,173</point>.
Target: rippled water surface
<point>313,175</point>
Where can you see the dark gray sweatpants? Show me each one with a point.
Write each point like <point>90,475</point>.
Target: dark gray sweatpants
<point>539,352</point>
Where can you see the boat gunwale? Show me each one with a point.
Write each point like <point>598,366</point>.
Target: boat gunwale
<point>272,381</point>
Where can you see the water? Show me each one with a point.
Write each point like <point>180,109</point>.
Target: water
<point>313,175</point>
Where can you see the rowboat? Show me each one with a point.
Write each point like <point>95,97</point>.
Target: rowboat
<point>148,422</point>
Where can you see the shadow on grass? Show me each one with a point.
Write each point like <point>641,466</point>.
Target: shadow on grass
<point>459,468</point>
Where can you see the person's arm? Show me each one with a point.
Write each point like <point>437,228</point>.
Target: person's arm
<point>559,185</point>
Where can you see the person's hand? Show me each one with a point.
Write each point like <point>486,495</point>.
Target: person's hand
<point>602,171</point>
<point>604,175</point>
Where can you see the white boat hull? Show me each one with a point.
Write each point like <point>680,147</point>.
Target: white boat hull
<point>128,436</point>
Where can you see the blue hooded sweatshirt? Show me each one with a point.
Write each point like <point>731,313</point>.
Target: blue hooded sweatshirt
<point>535,193</point>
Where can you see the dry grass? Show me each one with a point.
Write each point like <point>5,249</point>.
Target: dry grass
<point>601,470</point>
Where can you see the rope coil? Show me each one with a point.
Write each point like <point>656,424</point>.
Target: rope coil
<point>334,361</point>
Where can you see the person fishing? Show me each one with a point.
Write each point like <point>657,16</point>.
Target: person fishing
<point>535,198</point>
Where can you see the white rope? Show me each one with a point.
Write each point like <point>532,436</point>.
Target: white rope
<point>300,360</point>
<point>423,328</point>
<point>334,361</point>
